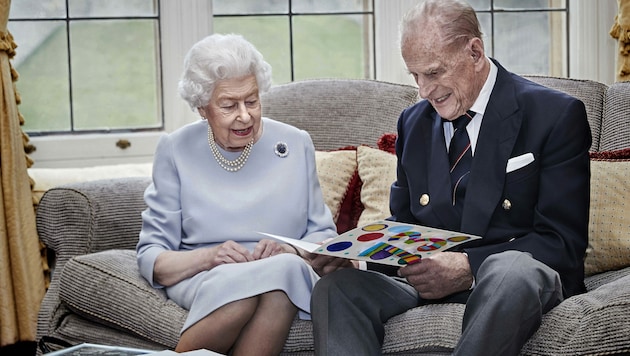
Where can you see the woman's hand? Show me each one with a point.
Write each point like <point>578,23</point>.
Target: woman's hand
<point>230,252</point>
<point>174,266</point>
<point>267,248</point>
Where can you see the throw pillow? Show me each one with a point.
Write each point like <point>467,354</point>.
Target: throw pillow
<point>351,206</point>
<point>335,170</point>
<point>387,142</point>
<point>609,230</point>
<point>377,171</point>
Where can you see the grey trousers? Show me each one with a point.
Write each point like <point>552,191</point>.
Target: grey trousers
<point>512,292</point>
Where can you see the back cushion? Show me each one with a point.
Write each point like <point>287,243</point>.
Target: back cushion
<point>339,112</point>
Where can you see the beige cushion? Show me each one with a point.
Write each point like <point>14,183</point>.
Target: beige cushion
<point>609,225</point>
<point>335,170</point>
<point>377,171</point>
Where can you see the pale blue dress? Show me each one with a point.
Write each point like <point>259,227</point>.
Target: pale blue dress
<point>194,203</point>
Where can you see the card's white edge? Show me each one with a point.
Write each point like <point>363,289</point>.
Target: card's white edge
<point>305,245</point>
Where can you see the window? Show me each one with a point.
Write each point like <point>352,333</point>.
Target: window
<point>304,39</point>
<point>527,37</point>
<point>98,78</point>
<point>97,64</point>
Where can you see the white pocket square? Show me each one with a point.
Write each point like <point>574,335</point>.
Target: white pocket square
<point>517,162</point>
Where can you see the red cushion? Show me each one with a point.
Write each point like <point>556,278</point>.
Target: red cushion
<point>611,155</point>
<point>387,142</point>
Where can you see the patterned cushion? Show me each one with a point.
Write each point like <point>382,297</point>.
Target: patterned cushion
<point>377,170</point>
<point>609,230</point>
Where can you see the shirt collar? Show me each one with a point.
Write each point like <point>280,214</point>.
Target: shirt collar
<point>481,103</point>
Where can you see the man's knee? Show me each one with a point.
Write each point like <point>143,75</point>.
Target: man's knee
<point>335,282</point>
<point>519,270</point>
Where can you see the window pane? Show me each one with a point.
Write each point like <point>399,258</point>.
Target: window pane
<point>480,4</point>
<point>258,30</point>
<point>520,53</point>
<point>42,63</point>
<point>243,7</point>
<point>106,8</point>
<point>333,46</point>
<point>114,74</point>
<point>485,20</point>
<point>310,6</point>
<point>37,9</point>
<point>529,4</point>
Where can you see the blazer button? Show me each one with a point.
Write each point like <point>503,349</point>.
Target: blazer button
<point>507,205</point>
<point>424,199</point>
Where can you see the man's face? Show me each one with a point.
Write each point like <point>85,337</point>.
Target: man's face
<point>450,79</point>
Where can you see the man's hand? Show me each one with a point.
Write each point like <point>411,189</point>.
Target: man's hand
<point>439,276</point>
<point>323,264</point>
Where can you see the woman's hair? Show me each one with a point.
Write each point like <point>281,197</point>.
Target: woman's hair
<point>219,57</point>
<point>456,20</point>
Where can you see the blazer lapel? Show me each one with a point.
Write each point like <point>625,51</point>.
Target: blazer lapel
<point>499,130</point>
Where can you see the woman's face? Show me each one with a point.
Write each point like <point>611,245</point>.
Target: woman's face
<point>234,112</point>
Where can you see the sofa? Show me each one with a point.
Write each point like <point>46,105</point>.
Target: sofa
<point>90,227</point>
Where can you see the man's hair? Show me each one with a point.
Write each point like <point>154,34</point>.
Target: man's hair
<point>218,57</point>
<point>456,20</point>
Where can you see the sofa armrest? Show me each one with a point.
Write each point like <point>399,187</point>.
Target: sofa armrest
<point>81,218</point>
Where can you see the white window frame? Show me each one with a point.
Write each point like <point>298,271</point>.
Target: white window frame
<point>592,56</point>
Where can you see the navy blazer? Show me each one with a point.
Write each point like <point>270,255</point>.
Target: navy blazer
<point>541,208</point>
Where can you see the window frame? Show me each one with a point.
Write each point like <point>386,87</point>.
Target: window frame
<point>182,23</point>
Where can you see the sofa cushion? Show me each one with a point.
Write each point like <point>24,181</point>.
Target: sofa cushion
<point>339,112</point>
<point>587,324</point>
<point>615,131</point>
<point>609,230</point>
<point>107,287</point>
<point>377,171</point>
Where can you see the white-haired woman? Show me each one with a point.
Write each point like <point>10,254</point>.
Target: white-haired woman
<point>217,183</point>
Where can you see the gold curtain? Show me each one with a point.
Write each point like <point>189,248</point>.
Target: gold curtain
<point>21,274</point>
<point>621,31</point>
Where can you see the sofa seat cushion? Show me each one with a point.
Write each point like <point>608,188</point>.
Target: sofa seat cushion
<point>578,325</point>
<point>107,287</point>
<point>441,325</point>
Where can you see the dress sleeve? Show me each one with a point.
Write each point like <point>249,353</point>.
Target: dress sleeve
<point>161,221</point>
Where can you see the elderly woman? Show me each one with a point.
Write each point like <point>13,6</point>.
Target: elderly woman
<point>218,183</point>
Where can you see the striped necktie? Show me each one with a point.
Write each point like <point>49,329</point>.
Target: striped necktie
<point>460,159</point>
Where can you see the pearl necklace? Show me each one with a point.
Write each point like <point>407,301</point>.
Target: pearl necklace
<point>230,166</point>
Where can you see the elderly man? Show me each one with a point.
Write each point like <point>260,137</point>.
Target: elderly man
<point>488,153</point>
